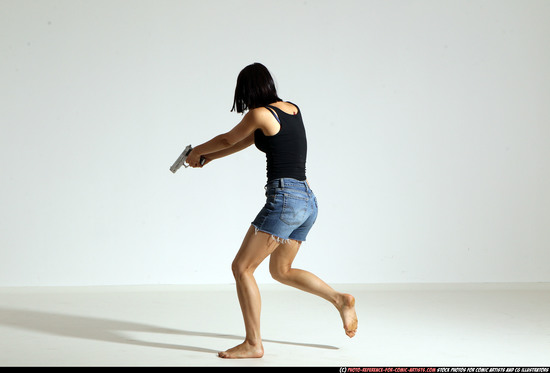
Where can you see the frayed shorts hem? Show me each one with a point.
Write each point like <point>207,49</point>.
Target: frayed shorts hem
<point>274,237</point>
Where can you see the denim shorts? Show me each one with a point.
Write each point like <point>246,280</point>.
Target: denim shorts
<point>289,212</point>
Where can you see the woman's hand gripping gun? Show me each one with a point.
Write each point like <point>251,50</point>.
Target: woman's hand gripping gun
<point>182,158</point>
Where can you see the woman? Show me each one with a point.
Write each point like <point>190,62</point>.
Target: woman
<point>276,128</point>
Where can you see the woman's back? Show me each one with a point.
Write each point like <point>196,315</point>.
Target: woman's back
<point>285,148</point>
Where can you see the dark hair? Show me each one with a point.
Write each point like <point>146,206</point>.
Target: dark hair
<point>255,88</point>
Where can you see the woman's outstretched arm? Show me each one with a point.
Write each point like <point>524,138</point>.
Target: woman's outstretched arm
<point>239,138</point>
<point>241,145</point>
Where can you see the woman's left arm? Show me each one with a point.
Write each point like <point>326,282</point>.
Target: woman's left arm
<point>247,126</point>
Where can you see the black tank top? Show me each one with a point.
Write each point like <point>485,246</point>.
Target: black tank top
<point>285,151</point>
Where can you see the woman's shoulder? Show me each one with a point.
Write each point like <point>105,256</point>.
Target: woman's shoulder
<point>258,113</point>
<point>261,116</point>
<point>286,106</point>
<point>264,119</point>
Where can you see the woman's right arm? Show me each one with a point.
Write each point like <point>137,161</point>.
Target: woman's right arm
<point>238,138</point>
<point>243,144</point>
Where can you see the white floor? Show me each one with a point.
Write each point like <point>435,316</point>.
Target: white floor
<point>399,325</point>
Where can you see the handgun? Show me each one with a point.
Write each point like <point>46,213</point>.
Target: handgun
<point>182,158</point>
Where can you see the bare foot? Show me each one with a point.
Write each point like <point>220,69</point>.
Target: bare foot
<point>243,351</point>
<point>347,312</point>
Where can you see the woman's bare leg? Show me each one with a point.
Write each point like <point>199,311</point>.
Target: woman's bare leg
<point>254,249</point>
<point>281,270</point>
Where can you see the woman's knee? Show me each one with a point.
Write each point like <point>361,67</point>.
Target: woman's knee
<point>280,263</point>
<point>278,272</point>
<point>236,268</point>
<point>240,269</point>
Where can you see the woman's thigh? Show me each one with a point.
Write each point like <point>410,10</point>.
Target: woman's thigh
<point>255,248</point>
<point>283,256</point>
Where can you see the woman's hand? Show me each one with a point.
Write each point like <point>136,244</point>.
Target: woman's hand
<point>194,159</point>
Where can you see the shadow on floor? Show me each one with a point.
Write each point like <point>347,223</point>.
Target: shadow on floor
<point>108,330</point>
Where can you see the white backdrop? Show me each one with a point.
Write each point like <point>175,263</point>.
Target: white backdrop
<point>428,126</point>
